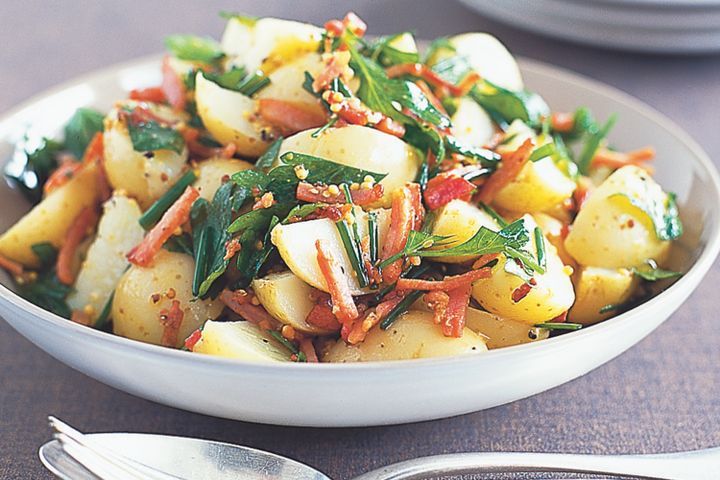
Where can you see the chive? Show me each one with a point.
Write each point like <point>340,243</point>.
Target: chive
<point>413,272</point>
<point>400,308</point>
<point>591,146</point>
<point>609,308</point>
<point>542,152</point>
<point>200,262</point>
<point>525,258</point>
<point>252,84</point>
<point>496,216</point>
<point>102,321</point>
<point>346,191</point>
<point>559,326</point>
<point>156,210</point>
<point>373,236</point>
<point>352,250</point>
<point>288,344</point>
<point>540,246</point>
<point>329,124</point>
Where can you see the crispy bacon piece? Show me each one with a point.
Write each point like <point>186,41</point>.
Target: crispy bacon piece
<point>193,339</point>
<point>426,73</point>
<point>402,218</point>
<point>150,94</point>
<point>171,320</point>
<point>343,304</point>
<point>336,64</point>
<point>321,316</point>
<point>95,149</point>
<point>66,171</point>
<point>170,222</point>
<point>417,205</point>
<point>562,318</point>
<point>445,188</point>
<point>307,192</point>
<point>390,126</point>
<point>290,117</point>
<point>454,320</point>
<point>562,121</point>
<point>582,192</point>
<point>510,167</point>
<point>240,302</point>
<point>307,347</point>
<point>521,292</point>
<point>609,158</point>
<point>437,301</point>
<point>372,318</point>
<point>448,283</point>
<point>173,87</point>
<point>231,248</point>
<point>198,150</point>
<point>80,317</point>
<point>373,272</point>
<point>75,234</point>
<point>13,267</point>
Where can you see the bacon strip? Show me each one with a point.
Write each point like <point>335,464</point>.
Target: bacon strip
<point>437,301</point>
<point>62,175</point>
<point>13,267</point>
<point>521,292</point>
<point>609,158</point>
<point>307,192</point>
<point>171,320</point>
<point>402,218</point>
<point>307,347</point>
<point>426,73</point>
<point>197,149</point>
<point>193,339</point>
<point>562,121</point>
<point>445,188</point>
<point>510,167</point>
<point>454,321</point>
<point>290,117</point>
<point>171,221</point>
<point>75,234</point>
<point>343,304</point>
<point>372,318</point>
<point>150,94</point>
<point>173,87</point>
<point>447,283</point>
<point>321,316</point>
<point>240,303</point>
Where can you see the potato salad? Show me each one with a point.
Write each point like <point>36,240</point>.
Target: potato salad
<point>296,193</point>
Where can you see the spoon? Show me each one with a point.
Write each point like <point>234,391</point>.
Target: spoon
<point>100,456</point>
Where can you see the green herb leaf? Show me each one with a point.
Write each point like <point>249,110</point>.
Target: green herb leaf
<point>496,216</point>
<point>592,144</point>
<point>270,157</point>
<point>543,151</point>
<point>180,244</point>
<point>559,326</point>
<point>508,105</point>
<point>483,156</point>
<point>400,308</point>
<point>46,253</point>
<point>148,136</point>
<point>652,273</point>
<point>31,166</point>
<point>47,292</point>
<point>384,53</point>
<point>610,307</point>
<point>665,217</point>
<point>81,129</point>
<point>194,49</point>
<point>157,209</point>
<point>103,320</point>
<point>238,80</point>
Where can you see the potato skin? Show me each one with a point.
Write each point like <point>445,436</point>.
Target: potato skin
<point>596,287</point>
<point>211,172</point>
<point>551,296</point>
<point>361,147</point>
<point>286,82</point>
<point>134,313</point>
<point>609,231</point>
<point>105,262</point>
<point>144,177</point>
<point>538,187</point>
<point>460,220</point>
<point>500,332</point>
<point>412,335</point>
<point>49,220</point>
<point>240,340</point>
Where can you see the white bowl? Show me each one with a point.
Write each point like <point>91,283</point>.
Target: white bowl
<point>334,395</point>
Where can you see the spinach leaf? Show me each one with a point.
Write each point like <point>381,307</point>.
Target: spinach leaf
<point>665,216</point>
<point>238,80</point>
<point>46,253</point>
<point>268,159</point>
<point>194,49</point>
<point>48,292</point>
<point>651,273</point>
<point>81,129</point>
<point>180,244</point>
<point>147,136</point>
<point>595,136</point>
<point>543,151</point>
<point>382,51</point>
<point>481,155</point>
<point>31,166</point>
<point>509,105</point>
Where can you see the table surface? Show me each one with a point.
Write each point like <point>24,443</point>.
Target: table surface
<point>663,395</point>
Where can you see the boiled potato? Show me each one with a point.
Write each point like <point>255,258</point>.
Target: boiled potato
<point>118,232</point>
<point>597,287</point>
<point>240,340</point>
<point>267,43</point>
<point>500,332</point>
<point>145,176</point>
<point>412,335</point>
<point>286,83</point>
<point>211,173</point>
<point>515,135</point>
<point>471,123</point>
<point>49,220</point>
<point>296,244</point>
<point>553,230</point>
<point>551,296</point>
<point>287,299</point>
<point>460,220</point>
<point>361,147</point>
<point>539,186</point>
<point>487,56</point>
<point>135,312</point>
<point>227,116</point>
<point>611,232</point>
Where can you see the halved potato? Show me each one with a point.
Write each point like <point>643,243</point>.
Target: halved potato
<point>597,287</point>
<point>143,292</point>
<point>539,186</point>
<point>145,176</point>
<point>551,296</point>
<point>267,43</point>
<point>460,220</point>
<point>412,335</point>
<point>361,147</point>
<point>210,174</point>
<point>471,123</point>
<point>49,220</point>
<point>286,82</point>
<point>487,56</point>
<point>500,332</point>
<point>226,114</point>
<point>287,299</point>
<point>118,232</point>
<point>296,244</point>
<point>611,232</point>
<point>241,340</point>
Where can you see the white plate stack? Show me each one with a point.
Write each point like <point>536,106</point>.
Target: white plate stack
<point>669,26</point>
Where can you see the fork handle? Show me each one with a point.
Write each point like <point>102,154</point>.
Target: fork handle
<point>694,465</point>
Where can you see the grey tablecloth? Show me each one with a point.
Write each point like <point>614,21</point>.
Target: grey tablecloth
<point>662,395</point>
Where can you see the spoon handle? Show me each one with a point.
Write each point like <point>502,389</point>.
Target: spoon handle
<point>695,465</point>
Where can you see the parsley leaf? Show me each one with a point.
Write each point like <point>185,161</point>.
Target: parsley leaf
<point>81,129</point>
<point>506,105</point>
<point>194,49</point>
<point>238,80</point>
<point>31,166</point>
<point>665,216</point>
<point>147,136</point>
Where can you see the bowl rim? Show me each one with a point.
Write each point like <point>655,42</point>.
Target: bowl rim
<point>690,279</point>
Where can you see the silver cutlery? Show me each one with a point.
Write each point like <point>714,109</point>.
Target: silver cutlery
<point>73,455</point>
